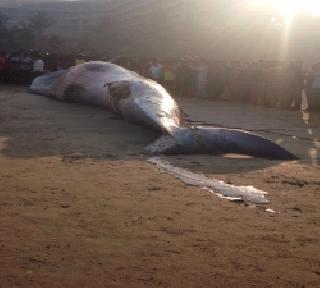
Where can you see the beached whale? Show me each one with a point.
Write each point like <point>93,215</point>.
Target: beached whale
<point>146,102</point>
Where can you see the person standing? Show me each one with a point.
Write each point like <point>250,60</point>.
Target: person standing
<point>314,89</point>
<point>170,77</point>
<point>143,67</point>
<point>26,67</point>
<point>14,68</point>
<point>156,71</point>
<point>202,79</point>
<point>50,62</point>
<point>296,85</point>
<point>3,66</point>
<point>80,59</point>
<point>38,66</point>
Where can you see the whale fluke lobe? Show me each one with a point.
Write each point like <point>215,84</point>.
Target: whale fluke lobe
<point>146,102</point>
<point>218,141</point>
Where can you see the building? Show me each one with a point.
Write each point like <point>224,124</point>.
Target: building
<point>214,28</point>
<point>145,23</point>
<point>142,23</point>
<point>70,18</point>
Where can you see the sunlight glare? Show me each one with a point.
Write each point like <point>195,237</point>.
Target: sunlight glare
<point>289,8</point>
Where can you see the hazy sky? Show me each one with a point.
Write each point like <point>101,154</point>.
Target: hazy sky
<point>25,1</point>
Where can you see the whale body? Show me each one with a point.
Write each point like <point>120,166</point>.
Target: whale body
<point>146,102</point>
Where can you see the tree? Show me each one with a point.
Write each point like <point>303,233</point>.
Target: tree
<point>54,43</point>
<point>26,35</point>
<point>22,37</point>
<point>5,39</point>
<point>3,21</point>
<point>39,22</point>
<point>3,25</point>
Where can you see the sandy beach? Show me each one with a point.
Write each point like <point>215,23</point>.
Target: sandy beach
<point>81,207</point>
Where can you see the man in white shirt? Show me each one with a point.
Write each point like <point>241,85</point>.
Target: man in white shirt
<point>156,71</point>
<point>38,65</point>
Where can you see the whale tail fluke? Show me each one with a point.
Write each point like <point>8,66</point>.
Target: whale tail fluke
<point>46,84</point>
<point>218,141</point>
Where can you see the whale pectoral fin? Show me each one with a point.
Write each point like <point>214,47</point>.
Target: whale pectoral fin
<point>118,91</point>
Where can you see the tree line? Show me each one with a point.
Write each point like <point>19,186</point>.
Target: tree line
<point>29,34</point>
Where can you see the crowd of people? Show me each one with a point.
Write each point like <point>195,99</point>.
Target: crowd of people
<point>268,83</point>
<point>22,68</point>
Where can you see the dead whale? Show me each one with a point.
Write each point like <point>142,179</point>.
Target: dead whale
<point>146,102</point>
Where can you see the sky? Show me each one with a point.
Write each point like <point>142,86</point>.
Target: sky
<point>12,2</point>
<point>288,8</point>
<point>27,1</point>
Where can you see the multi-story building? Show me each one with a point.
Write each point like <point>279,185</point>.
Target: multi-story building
<point>145,23</point>
<point>134,20</point>
<point>70,18</point>
<point>225,29</point>
<point>167,27</point>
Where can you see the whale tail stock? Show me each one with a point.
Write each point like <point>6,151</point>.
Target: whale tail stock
<point>217,141</point>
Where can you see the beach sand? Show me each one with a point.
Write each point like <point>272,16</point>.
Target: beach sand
<point>81,207</point>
